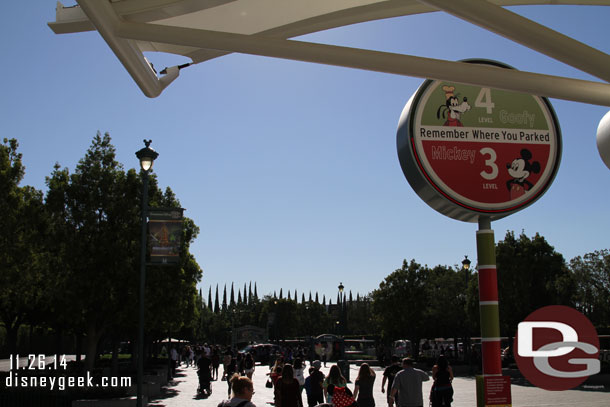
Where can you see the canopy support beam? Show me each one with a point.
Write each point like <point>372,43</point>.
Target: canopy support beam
<point>106,21</point>
<point>460,72</point>
<point>529,33</point>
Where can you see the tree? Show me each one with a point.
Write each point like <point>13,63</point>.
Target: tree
<point>591,274</point>
<point>224,299</point>
<point>447,302</point>
<point>101,238</point>
<point>531,274</point>
<point>22,264</point>
<point>101,232</point>
<point>360,320</point>
<point>286,320</point>
<point>232,300</point>
<point>400,303</point>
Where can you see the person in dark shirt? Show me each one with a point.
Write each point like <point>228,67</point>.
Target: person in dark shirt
<point>441,393</point>
<point>314,385</point>
<point>205,375</point>
<point>287,389</point>
<point>363,390</point>
<point>388,376</point>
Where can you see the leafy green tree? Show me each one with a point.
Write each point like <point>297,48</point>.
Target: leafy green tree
<point>101,241</point>
<point>445,316</point>
<point>531,275</point>
<point>23,222</point>
<point>360,319</point>
<point>591,274</point>
<point>285,317</point>
<point>400,303</point>
<point>314,320</point>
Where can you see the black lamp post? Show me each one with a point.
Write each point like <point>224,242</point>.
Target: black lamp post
<point>466,268</point>
<point>341,322</point>
<point>147,157</point>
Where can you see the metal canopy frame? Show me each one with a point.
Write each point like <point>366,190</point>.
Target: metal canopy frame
<point>205,29</point>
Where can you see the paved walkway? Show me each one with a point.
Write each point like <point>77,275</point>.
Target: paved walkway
<point>182,392</point>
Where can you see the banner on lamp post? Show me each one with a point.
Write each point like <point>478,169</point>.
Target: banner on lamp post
<point>165,235</point>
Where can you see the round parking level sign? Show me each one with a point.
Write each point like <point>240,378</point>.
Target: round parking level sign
<point>470,151</point>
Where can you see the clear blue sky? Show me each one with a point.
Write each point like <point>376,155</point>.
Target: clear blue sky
<point>290,169</point>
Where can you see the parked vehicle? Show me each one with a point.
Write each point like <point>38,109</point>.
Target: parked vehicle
<point>402,348</point>
<point>261,351</point>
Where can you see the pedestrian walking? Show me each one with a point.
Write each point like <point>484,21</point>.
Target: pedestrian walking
<point>205,375</point>
<point>363,387</point>
<point>441,393</point>
<point>408,385</point>
<point>299,369</point>
<point>175,357</point>
<point>314,385</point>
<point>287,389</point>
<point>226,361</point>
<point>243,390</point>
<point>334,379</point>
<point>215,362</point>
<point>388,376</point>
<point>231,371</point>
<point>249,365</point>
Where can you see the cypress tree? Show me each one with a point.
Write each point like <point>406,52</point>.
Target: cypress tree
<point>216,302</point>
<point>210,299</point>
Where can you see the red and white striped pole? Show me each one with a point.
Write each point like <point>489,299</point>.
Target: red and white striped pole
<point>488,300</point>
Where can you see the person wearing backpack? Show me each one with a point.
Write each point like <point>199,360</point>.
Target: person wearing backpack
<point>243,390</point>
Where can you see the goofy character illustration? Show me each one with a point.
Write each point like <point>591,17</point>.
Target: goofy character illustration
<point>453,108</point>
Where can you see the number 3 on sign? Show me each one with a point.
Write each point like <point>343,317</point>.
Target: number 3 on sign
<point>490,162</point>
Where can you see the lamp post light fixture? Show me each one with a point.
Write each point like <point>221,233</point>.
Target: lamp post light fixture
<point>466,263</point>
<point>147,157</point>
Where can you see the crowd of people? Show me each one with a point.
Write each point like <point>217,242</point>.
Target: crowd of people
<point>292,387</point>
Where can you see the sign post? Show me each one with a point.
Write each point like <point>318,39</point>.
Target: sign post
<point>478,154</point>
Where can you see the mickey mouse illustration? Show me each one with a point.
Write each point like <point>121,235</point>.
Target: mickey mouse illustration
<point>520,169</point>
<point>453,108</point>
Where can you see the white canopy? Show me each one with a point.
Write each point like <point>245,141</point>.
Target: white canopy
<point>205,29</point>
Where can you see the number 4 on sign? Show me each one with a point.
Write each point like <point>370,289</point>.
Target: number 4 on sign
<point>484,100</point>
